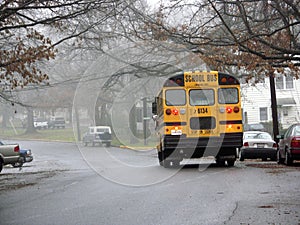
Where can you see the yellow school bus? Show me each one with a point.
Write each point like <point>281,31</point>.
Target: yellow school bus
<point>197,114</point>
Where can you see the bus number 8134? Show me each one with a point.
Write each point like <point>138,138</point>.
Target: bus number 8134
<point>198,114</point>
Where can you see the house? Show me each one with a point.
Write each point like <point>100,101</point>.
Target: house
<point>256,101</point>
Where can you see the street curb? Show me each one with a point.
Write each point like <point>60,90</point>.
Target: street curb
<point>75,142</point>
<point>136,148</point>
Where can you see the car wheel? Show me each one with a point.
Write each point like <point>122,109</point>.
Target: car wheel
<point>288,160</point>
<point>242,158</point>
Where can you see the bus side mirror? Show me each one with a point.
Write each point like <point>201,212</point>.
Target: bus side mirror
<point>154,108</point>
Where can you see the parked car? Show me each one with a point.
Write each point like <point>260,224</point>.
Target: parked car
<point>9,153</point>
<point>57,122</point>
<point>97,134</point>
<point>289,145</point>
<point>258,145</point>
<point>40,123</point>
<point>26,156</point>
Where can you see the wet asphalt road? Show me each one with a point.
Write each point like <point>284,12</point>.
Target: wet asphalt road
<point>71,184</point>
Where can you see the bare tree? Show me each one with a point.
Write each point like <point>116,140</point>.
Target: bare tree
<point>256,35</point>
<point>25,39</point>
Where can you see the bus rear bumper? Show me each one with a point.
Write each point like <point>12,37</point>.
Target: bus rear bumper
<point>224,146</point>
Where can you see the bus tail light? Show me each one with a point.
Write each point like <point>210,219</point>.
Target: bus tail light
<point>235,109</point>
<point>228,109</point>
<point>175,112</point>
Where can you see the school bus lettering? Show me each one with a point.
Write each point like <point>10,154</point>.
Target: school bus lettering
<point>195,78</point>
<point>202,110</point>
<point>211,77</point>
<point>201,78</point>
<point>199,127</point>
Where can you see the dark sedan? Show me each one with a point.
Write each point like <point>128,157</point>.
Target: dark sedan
<point>258,145</point>
<point>25,155</point>
<point>289,145</point>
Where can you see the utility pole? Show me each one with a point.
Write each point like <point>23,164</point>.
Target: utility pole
<point>274,108</point>
<point>145,127</point>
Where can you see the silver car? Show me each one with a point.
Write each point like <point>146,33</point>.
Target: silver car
<point>258,145</point>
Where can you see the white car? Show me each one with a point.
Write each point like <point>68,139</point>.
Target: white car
<point>97,134</point>
<point>258,145</point>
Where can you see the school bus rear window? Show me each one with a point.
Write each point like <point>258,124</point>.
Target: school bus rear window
<point>202,97</point>
<point>175,97</point>
<point>228,95</point>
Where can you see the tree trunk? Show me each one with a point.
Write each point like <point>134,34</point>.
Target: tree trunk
<point>30,127</point>
<point>5,119</point>
<point>77,123</point>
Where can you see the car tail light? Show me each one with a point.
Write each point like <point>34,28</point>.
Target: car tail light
<point>275,145</point>
<point>295,142</point>
<point>246,144</point>
<point>17,149</point>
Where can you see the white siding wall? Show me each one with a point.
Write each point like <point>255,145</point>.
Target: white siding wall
<point>255,97</point>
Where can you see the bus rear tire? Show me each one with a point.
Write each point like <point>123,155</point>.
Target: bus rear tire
<point>230,163</point>
<point>160,158</point>
<point>220,162</point>
<point>167,163</point>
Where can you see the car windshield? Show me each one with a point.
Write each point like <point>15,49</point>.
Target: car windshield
<point>258,136</point>
<point>102,130</point>
<point>257,126</point>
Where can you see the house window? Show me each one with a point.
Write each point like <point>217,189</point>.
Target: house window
<point>263,113</point>
<point>279,82</point>
<point>285,111</point>
<point>284,82</point>
<point>289,82</point>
